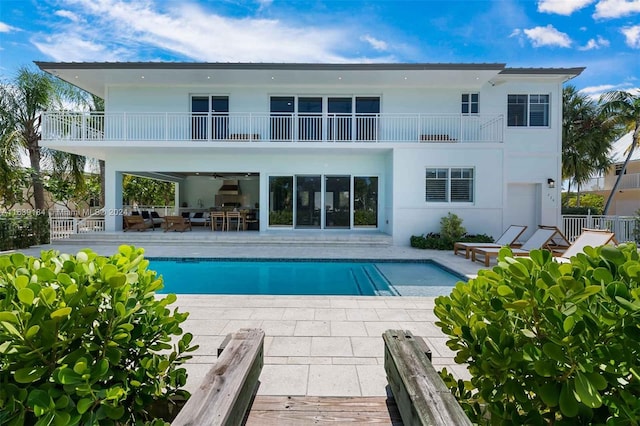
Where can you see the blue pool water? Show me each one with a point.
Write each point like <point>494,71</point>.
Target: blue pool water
<point>302,277</point>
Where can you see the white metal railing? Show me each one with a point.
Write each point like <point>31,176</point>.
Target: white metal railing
<point>273,127</point>
<point>630,181</point>
<point>64,227</point>
<point>622,226</point>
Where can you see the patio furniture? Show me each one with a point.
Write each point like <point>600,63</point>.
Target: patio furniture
<point>156,219</point>
<point>508,238</point>
<point>136,223</point>
<point>237,217</point>
<point>218,221</point>
<point>542,238</point>
<point>588,238</point>
<point>176,223</point>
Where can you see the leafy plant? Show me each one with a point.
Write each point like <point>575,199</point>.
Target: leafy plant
<point>549,342</point>
<point>281,217</point>
<point>84,340</point>
<point>23,230</point>
<point>451,231</point>
<point>451,227</point>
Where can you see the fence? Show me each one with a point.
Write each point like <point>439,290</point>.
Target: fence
<point>62,227</point>
<point>623,226</point>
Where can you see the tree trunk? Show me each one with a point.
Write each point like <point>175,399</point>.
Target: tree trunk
<point>36,177</point>
<point>578,197</point>
<point>102,183</point>
<point>634,142</point>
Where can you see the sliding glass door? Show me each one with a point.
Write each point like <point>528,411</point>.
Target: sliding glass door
<point>337,200</point>
<point>308,201</point>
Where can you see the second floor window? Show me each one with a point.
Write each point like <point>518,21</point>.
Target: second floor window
<point>528,110</point>
<point>470,102</point>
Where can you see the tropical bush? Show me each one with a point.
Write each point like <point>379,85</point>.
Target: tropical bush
<point>84,340</point>
<point>23,230</point>
<point>451,231</point>
<point>549,342</point>
<point>281,217</point>
<point>593,203</point>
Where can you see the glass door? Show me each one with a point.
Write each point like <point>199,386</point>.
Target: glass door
<point>365,202</point>
<point>310,119</point>
<point>220,117</point>
<point>339,119</point>
<point>337,200</point>
<point>367,111</point>
<point>199,114</point>
<point>282,109</point>
<point>308,201</point>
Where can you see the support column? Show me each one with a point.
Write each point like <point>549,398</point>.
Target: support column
<point>113,200</point>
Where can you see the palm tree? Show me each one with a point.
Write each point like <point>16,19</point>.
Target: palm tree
<point>624,110</point>
<point>23,101</point>
<point>586,138</point>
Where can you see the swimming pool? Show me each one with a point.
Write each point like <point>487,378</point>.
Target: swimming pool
<point>304,277</point>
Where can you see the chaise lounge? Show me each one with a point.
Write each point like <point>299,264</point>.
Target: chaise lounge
<point>547,237</point>
<point>136,223</point>
<point>508,238</point>
<point>588,238</point>
<point>176,223</point>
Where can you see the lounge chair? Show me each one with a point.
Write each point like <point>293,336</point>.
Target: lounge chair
<point>544,237</point>
<point>508,238</point>
<point>588,238</point>
<point>176,223</point>
<point>136,223</point>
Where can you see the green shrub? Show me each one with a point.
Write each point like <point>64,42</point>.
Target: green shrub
<point>548,342</point>
<point>451,227</point>
<point>84,340</point>
<point>281,217</point>
<point>22,231</point>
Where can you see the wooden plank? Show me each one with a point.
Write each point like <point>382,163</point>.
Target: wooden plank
<point>283,410</point>
<point>421,395</point>
<point>226,391</point>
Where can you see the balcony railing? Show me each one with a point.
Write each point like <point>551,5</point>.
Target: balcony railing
<point>277,127</point>
<point>628,181</point>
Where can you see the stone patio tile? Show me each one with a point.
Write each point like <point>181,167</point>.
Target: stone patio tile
<point>372,379</point>
<point>278,328</point>
<point>202,313</point>
<point>284,380</point>
<point>393,315</point>
<point>267,313</point>
<point>289,346</point>
<point>204,326</point>
<point>280,360</point>
<point>333,380</point>
<point>439,346</point>
<point>376,328</point>
<point>298,314</point>
<point>348,328</point>
<point>420,328</point>
<point>400,303</point>
<point>237,313</point>
<point>344,303</point>
<point>195,374</point>
<point>204,359</point>
<point>353,361</point>
<point>372,303</point>
<point>422,315</point>
<point>235,325</point>
<point>208,345</point>
<point>367,346</point>
<point>309,360</point>
<point>312,328</point>
<point>362,314</point>
<point>331,346</point>
<point>337,314</point>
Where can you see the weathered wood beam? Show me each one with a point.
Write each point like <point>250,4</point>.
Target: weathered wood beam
<point>224,395</point>
<point>421,395</point>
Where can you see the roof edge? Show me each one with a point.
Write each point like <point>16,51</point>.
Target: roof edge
<point>273,66</point>
<point>575,71</point>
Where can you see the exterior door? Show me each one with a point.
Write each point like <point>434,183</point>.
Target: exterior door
<point>337,201</point>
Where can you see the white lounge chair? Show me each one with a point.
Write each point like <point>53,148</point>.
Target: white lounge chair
<point>508,238</point>
<point>543,238</point>
<point>588,238</point>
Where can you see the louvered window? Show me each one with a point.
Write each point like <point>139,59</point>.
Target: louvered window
<point>449,185</point>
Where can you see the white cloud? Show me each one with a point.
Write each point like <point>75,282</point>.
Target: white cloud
<point>67,14</point>
<point>375,43</point>
<point>597,90</point>
<point>632,36</point>
<point>595,43</point>
<point>120,30</point>
<point>607,9</point>
<point>5,28</point>
<point>547,36</point>
<point>562,7</point>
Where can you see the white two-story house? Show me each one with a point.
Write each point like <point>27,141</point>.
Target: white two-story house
<point>328,147</point>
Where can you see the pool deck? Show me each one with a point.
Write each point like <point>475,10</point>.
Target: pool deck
<point>314,345</point>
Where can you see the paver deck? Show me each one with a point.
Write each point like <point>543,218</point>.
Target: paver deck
<point>320,346</point>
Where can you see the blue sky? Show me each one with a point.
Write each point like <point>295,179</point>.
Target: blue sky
<point>602,35</point>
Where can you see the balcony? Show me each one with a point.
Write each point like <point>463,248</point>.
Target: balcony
<point>276,127</point>
<point>628,181</point>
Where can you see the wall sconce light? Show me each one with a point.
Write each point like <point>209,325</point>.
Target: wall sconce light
<point>551,183</point>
